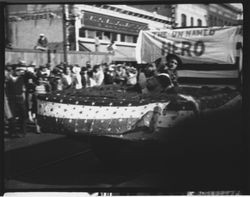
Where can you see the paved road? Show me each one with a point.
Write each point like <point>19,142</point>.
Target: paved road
<point>205,158</point>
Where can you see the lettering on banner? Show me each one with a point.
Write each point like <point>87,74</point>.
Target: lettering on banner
<point>183,48</point>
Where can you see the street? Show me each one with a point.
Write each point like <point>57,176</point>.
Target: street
<point>193,160</point>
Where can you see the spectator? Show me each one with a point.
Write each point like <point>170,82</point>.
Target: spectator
<point>98,75</point>
<point>29,79</point>
<point>55,80</point>
<point>131,76</point>
<point>88,65</point>
<point>90,80</point>
<point>120,75</point>
<point>42,43</point>
<point>77,78</point>
<point>15,89</point>
<point>67,79</point>
<point>8,116</point>
<point>42,87</point>
<point>84,76</point>
<point>109,75</point>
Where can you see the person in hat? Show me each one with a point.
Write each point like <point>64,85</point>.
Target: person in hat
<point>67,77</point>
<point>109,75</point>
<point>56,78</point>
<point>172,62</point>
<point>42,43</point>
<point>98,75</point>
<point>15,92</point>
<point>120,74</point>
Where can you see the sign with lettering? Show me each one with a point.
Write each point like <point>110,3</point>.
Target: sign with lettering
<point>114,24</point>
<point>208,45</point>
<point>37,16</point>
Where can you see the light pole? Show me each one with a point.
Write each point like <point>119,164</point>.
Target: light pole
<point>65,42</point>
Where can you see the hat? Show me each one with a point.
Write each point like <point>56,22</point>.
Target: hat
<point>22,68</point>
<point>41,34</point>
<point>173,56</point>
<point>21,62</point>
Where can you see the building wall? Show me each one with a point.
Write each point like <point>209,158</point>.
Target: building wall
<point>25,33</point>
<point>40,58</point>
<point>219,15</point>
<point>162,9</point>
<point>151,24</point>
<point>197,11</point>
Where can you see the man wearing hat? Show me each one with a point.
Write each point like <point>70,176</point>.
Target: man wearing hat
<point>15,92</point>
<point>42,43</point>
<point>173,61</point>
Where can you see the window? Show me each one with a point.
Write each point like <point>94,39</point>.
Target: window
<point>215,21</point>
<point>91,34</point>
<point>99,34</point>
<point>129,39</point>
<point>122,38</point>
<point>113,36</point>
<point>107,35</point>
<point>183,20</point>
<point>135,39</point>
<point>211,21</point>
<point>199,22</point>
<point>191,21</point>
<point>82,33</point>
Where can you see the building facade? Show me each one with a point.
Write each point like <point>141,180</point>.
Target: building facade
<point>206,15</point>
<point>223,15</point>
<point>190,15</point>
<point>85,26</point>
<point>100,24</point>
<point>118,23</point>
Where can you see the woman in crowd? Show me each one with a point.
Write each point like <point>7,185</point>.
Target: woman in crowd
<point>77,78</point>
<point>67,78</point>
<point>98,75</point>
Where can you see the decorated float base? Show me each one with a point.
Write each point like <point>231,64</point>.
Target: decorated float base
<point>126,125</point>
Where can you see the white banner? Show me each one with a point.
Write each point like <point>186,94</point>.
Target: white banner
<point>192,45</point>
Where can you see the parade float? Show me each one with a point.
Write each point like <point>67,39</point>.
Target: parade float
<point>113,117</point>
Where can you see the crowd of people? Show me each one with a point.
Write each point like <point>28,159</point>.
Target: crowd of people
<point>24,82</point>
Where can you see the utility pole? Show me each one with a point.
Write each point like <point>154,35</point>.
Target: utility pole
<point>65,42</point>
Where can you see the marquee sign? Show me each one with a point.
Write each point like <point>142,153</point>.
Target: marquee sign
<point>94,20</point>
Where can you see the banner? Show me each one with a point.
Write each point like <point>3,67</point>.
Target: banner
<point>192,45</point>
